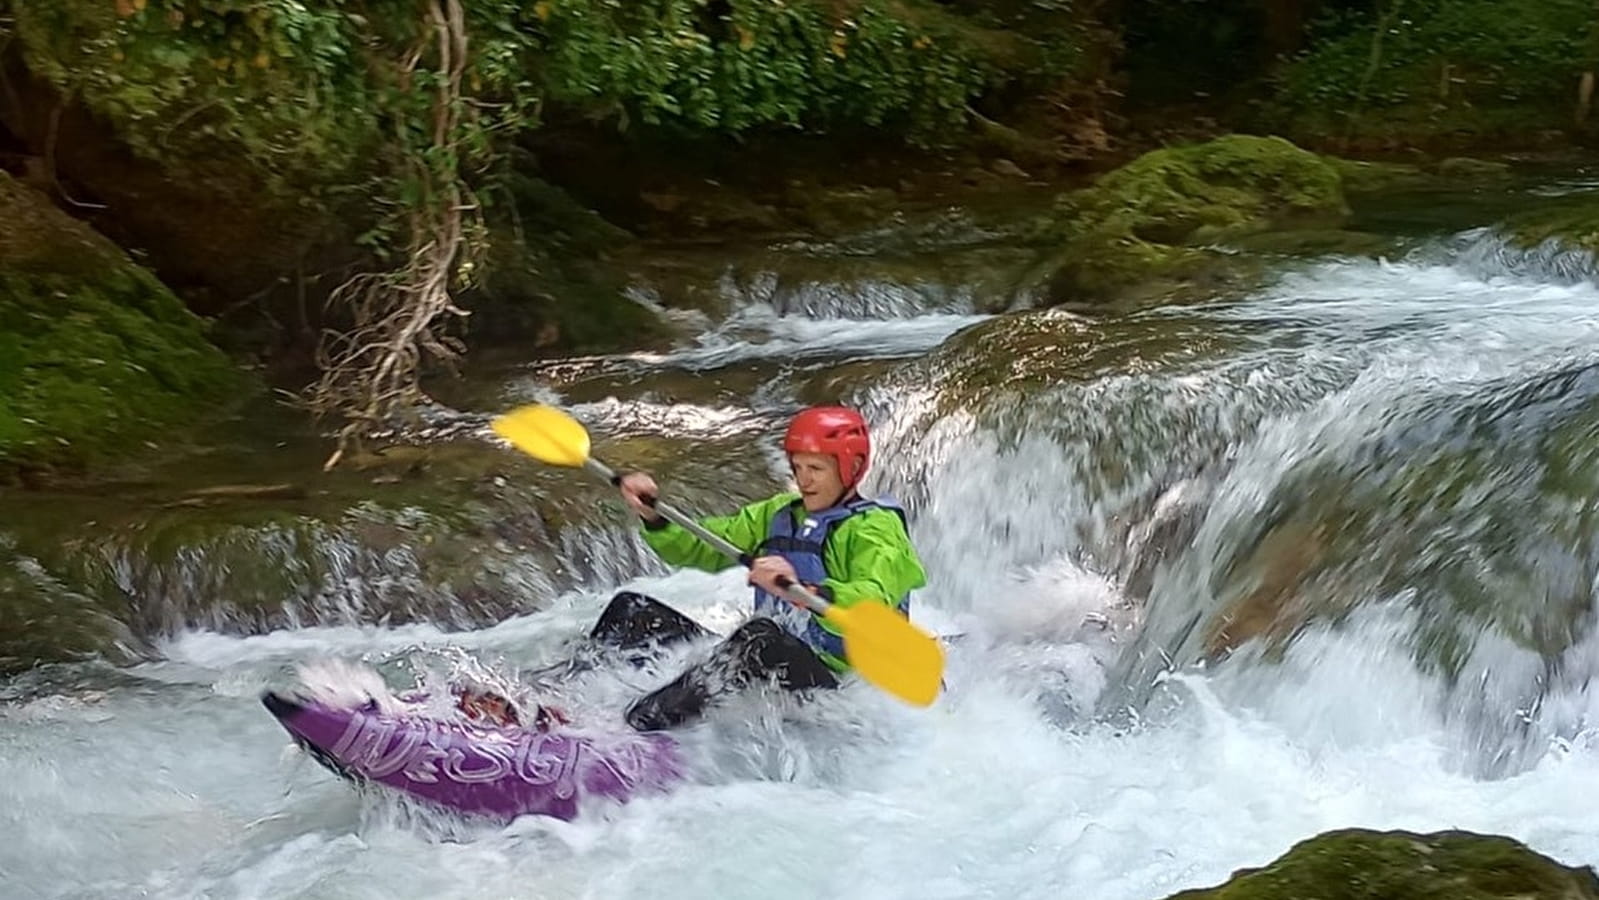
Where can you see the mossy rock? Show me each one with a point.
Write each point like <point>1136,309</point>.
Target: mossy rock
<point>1365,177</point>
<point>1573,222</point>
<point>545,276</point>
<point>44,620</point>
<point>1315,242</point>
<point>1153,217</point>
<point>1467,167</point>
<point>1016,355</point>
<point>96,355</point>
<point>1234,184</point>
<point>1357,864</point>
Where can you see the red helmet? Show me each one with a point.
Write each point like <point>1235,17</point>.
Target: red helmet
<point>835,431</point>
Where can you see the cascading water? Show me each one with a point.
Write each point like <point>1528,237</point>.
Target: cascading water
<point>1223,577</point>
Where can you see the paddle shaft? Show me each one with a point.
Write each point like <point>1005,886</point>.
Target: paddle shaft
<point>791,590</point>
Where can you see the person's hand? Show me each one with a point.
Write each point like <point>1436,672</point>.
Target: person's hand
<point>765,572</point>
<point>635,488</point>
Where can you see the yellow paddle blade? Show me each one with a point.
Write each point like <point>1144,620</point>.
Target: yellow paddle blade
<point>890,652</point>
<point>545,433</point>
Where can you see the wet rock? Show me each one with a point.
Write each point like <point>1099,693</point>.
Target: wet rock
<point>1571,222</point>
<point>1151,218</point>
<point>1357,864</point>
<point>1314,242</point>
<point>1008,169</point>
<point>96,355</point>
<point>1466,167</point>
<point>1044,348</point>
<point>460,533</point>
<point>1369,177</point>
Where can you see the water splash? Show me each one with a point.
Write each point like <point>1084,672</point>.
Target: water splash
<point>1084,524</point>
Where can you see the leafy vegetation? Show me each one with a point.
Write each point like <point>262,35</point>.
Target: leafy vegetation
<point>414,103</point>
<point>409,110</point>
<point>1427,66</point>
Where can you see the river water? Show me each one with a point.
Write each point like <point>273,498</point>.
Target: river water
<point>1217,578</point>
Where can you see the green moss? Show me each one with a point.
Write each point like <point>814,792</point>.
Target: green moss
<point>1145,219</point>
<point>1357,864</point>
<point>1573,222</point>
<point>545,275</point>
<point>1369,177</point>
<point>43,620</point>
<point>97,354</point>
<point>1233,184</point>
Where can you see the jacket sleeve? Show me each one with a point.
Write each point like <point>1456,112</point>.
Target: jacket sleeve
<point>744,529</point>
<point>874,560</point>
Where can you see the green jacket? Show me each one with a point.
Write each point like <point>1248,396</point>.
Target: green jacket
<point>868,556</point>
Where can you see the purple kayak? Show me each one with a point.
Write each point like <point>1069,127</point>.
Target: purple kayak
<point>479,770</point>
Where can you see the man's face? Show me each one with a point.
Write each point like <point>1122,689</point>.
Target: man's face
<point>816,474</point>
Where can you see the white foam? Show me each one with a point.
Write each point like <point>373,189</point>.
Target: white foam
<point>172,785</point>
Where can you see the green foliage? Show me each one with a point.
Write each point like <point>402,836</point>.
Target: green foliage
<point>735,65</point>
<point>1510,61</point>
<point>315,89</point>
<point>313,92</point>
<point>280,82</point>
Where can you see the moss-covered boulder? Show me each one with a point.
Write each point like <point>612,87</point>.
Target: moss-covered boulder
<point>96,355</point>
<point>1153,218</point>
<point>1573,222</point>
<point>1357,864</point>
<point>547,274</point>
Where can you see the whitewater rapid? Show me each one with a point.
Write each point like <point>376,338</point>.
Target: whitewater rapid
<point>168,779</point>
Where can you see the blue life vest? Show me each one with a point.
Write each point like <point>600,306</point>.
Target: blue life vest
<point>803,546</point>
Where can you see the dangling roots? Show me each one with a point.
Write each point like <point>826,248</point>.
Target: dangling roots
<point>399,319</point>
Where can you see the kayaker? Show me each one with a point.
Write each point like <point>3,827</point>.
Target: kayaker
<point>487,705</point>
<point>844,547</point>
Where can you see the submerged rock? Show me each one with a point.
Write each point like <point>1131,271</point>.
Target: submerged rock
<point>1357,864</point>
<point>461,534</point>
